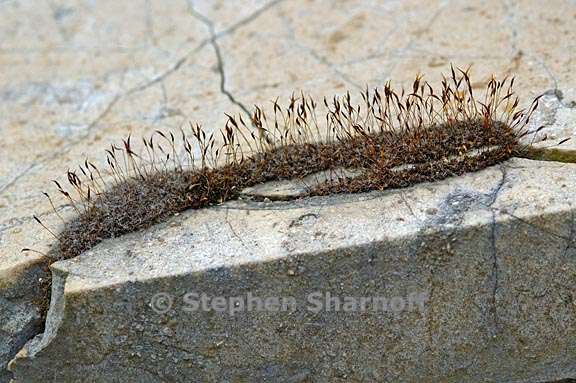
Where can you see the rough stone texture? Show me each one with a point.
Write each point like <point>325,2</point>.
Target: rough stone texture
<point>78,75</point>
<point>20,323</point>
<point>291,189</point>
<point>494,252</point>
<point>553,127</point>
<point>19,318</point>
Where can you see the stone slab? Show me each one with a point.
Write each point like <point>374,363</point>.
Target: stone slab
<point>493,253</point>
<point>77,76</point>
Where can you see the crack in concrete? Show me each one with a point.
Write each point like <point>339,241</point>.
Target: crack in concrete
<point>19,221</point>
<point>324,61</point>
<point>493,195</point>
<point>494,275</point>
<point>548,72</point>
<point>410,44</point>
<point>38,161</point>
<point>100,117</point>
<point>548,118</point>
<point>182,60</point>
<point>233,231</point>
<point>159,79</point>
<point>405,201</point>
<point>549,154</point>
<point>247,20</point>
<point>220,60</point>
<point>221,68</point>
<point>510,20</point>
<point>535,227</point>
<point>16,178</point>
<point>555,91</point>
<point>222,73</point>
<point>423,54</point>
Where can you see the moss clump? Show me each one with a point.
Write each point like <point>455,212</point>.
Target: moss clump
<point>393,138</point>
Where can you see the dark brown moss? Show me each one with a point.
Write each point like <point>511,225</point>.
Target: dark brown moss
<point>395,139</point>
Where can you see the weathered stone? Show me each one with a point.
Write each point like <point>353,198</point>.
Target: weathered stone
<point>20,318</point>
<point>78,76</point>
<point>20,322</point>
<point>492,253</point>
<point>553,129</point>
<point>291,189</point>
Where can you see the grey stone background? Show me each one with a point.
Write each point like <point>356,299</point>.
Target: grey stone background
<point>78,75</point>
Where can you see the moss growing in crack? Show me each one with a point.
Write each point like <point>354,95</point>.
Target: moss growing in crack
<point>550,154</point>
<point>391,139</point>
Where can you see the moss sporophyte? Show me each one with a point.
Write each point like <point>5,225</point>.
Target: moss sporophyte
<point>391,139</point>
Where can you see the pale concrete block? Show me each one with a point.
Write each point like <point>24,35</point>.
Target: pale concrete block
<point>492,253</point>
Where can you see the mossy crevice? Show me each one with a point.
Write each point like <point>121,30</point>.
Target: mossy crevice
<point>548,154</point>
<point>394,138</point>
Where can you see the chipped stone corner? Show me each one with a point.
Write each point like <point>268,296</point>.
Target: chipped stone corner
<point>40,342</point>
<point>20,317</point>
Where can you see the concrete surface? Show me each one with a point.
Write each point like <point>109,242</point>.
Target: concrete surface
<point>78,75</point>
<point>492,252</point>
